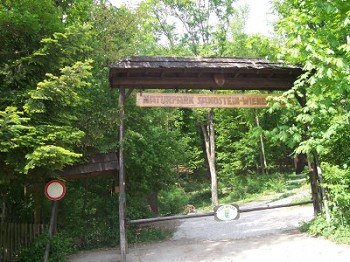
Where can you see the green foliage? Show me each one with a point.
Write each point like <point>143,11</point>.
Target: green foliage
<point>249,185</point>
<point>50,108</point>
<point>321,227</point>
<point>316,37</point>
<point>63,49</point>
<point>50,156</point>
<point>22,25</point>
<point>58,95</point>
<point>336,184</point>
<point>153,150</point>
<point>173,200</point>
<point>13,129</point>
<point>61,245</point>
<point>90,204</point>
<point>335,224</point>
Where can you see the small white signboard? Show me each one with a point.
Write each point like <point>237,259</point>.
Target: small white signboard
<point>226,212</point>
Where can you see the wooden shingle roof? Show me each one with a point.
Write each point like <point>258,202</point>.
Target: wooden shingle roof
<point>100,164</point>
<point>145,72</point>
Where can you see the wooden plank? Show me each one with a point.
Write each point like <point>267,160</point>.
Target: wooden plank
<point>11,240</point>
<point>15,236</point>
<point>202,100</point>
<point>2,242</point>
<point>8,246</point>
<point>2,233</point>
<point>23,235</point>
<point>31,233</point>
<point>157,219</point>
<point>198,72</point>
<point>248,83</point>
<point>198,62</point>
<point>98,165</point>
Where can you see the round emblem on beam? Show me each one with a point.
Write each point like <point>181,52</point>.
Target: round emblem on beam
<point>219,79</point>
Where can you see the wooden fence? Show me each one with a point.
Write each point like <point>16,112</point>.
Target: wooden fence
<point>15,236</point>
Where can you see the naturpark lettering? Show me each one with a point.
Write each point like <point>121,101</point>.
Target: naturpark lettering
<point>201,100</point>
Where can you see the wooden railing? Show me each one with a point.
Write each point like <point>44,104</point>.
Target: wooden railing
<point>15,236</point>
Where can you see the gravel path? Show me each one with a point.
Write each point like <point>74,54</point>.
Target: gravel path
<point>252,224</point>
<point>269,235</point>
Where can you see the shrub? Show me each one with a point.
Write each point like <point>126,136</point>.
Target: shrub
<point>336,184</point>
<point>321,227</point>
<point>61,245</point>
<point>243,186</point>
<point>337,226</point>
<point>172,201</point>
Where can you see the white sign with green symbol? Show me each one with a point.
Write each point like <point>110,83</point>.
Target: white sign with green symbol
<point>226,212</point>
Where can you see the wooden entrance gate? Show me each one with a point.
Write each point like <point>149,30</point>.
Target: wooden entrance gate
<point>196,73</point>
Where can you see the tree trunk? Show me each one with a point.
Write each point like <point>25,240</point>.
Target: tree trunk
<point>262,147</point>
<point>209,139</point>
<point>314,187</point>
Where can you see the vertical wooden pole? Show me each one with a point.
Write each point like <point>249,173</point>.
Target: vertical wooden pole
<point>122,200</point>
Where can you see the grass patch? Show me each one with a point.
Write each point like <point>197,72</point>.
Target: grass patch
<point>268,187</point>
<point>148,234</point>
<point>243,189</point>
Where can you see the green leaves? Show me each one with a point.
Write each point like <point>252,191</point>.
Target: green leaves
<point>316,37</point>
<point>153,150</point>
<point>47,136</point>
<point>50,157</point>
<point>14,129</point>
<point>56,96</point>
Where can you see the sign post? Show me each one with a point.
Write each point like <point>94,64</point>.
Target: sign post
<point>55,190</point>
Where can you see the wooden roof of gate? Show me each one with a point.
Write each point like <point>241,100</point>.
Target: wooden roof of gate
<point>145,72</point>
<point>100,164</point>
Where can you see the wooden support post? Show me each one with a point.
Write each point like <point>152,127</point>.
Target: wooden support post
<point>122,198</point>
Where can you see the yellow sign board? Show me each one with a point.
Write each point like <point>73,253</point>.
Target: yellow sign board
<point>202,100</point>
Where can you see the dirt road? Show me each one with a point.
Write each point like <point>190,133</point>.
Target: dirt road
<point>269,235</point>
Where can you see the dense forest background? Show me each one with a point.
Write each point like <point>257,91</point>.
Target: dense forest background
<point>56,107</point>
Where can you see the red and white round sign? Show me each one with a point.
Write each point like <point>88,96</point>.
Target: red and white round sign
<point>55,190</point>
